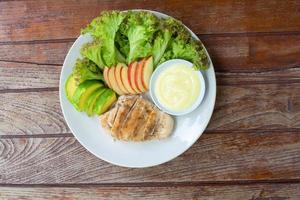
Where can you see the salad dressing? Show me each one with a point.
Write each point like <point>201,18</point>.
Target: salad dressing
<point>178,87</point>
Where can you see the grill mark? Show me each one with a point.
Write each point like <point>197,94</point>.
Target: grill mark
<point>140,117</point>
<point>117,110</point>
<point>130,119</point>
<point>129,112</point>
<point>140,134</point>
<point>152,134</point>
<point>126,107</point>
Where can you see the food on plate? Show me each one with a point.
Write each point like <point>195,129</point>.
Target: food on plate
<point>117,65</point>
<point>113,81</point>
<point>85,85</point>
<point>134,118</point>
<point>132,79</point>
<point>125,37</point>
<point>85,88</point>
<point>125,80</point>
<point>104,101</point>
<point>129,80</point>
<point>70,87</point>
<point>147,72</point>
<point>86,70</point>
<point>90,104</point>
<point>83,92</point>
<point>118,75</point>
<point>177,87</point>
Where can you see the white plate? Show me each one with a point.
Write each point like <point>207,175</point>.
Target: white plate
<point>89,133</point>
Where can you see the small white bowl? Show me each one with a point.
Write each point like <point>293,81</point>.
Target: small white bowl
<point>153,80</point>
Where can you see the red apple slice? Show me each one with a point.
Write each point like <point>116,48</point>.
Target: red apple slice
<point>138,76</point>
<point>131,73</point>
<point>147,72</point>
<point>113,81</point>
<point>105,74</point>
<point>118,72</point>
<point>125,80</point>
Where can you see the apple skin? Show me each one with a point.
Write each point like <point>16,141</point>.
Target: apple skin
<point>113,81</point>
<point>138,76</point>
<point>131,74</point>
<point>125,80</point>
<point>105,74</point>
<point>146,72</point>
<point>118,71</point>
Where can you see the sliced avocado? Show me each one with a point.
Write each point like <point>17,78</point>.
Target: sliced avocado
<point>83,92</point>
<point>104,101</point>
<point>70,87</point>
<point>92,99</point>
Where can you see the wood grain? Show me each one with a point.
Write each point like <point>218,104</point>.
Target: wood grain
<point>266,106</point>
<point>235,192</point>
<point>272,106</point>
<point>253,53</point>
<point>38,20</point>
<point>15,75</point>
<point>51,52</point>
<point>230,53</point>
<point>31,113</point>
<point>215,157</point>
<point>249,151</point>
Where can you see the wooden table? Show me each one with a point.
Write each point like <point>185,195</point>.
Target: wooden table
<point>251,149</point>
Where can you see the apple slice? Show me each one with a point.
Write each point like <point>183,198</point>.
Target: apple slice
<point>147,72</point>
<point>113,81</point>
<point>138,76</point>
<point>118,72</point>
<point>105,74</point>
<point>125,80</point>
<point>131,74</point>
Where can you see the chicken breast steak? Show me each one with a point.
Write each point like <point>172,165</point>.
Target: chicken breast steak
<point>134,118</point>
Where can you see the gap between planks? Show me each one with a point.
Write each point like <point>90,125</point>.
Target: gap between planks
<point>47,89</point>
<point>160,184</point>
<point>237,34</point>
<point>219,77</point>
<point>248,131</point>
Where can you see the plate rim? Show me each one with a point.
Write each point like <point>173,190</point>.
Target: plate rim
<point>201,131</point>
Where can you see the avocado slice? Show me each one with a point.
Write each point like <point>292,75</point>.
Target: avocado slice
<point>83,92</point>
<point>104,101</point>
<point>70,87</point>
<point>91,101</point>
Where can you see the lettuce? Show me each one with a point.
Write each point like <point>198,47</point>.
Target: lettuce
<point>139,28</point>
<point>160,44</point>
<point>84,70</point>
<point>183,46</point>
<point>104,29</point>
<point>93,52</point>
<point>129,36</point>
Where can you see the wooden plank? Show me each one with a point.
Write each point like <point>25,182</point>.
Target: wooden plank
<point>266,106</point>
<point>31,113</point>
<point>42,52</point>
<point>215,157</point>
<point>235,192</point>
<point>269,106</point>
<point>252,53</point>
<point>14,75</point>
<point>38,20</point>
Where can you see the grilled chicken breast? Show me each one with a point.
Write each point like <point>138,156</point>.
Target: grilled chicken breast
<point>134,118</point>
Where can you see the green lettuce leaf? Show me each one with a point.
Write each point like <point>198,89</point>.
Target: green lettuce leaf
<point>183,46</point>
<point>85,69</point>
<point>139,28</point>
<point>93,51</point>
<point>104,29</point>
<point>160,44</point>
